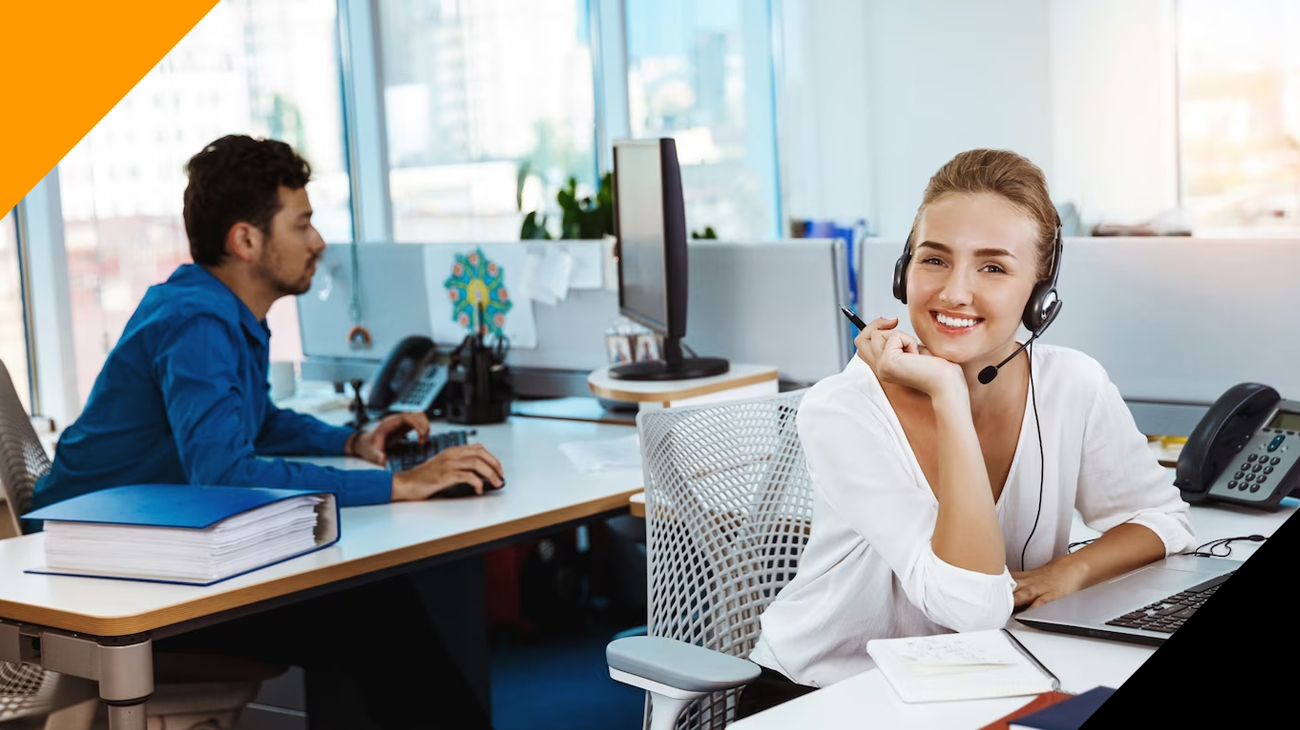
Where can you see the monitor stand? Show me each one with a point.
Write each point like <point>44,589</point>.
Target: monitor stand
<point>672,367</point>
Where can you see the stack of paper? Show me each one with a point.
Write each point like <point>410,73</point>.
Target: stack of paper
<point>972,665</point>
<point>181,533</point>
<point>619,453</point>
<point>237,545</point>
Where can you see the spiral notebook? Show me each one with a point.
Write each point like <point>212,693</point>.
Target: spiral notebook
<point>964,666</point>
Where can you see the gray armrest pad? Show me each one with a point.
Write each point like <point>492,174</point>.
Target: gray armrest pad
<point>677,664</point>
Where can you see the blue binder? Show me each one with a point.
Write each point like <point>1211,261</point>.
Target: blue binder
<point>182,506</point>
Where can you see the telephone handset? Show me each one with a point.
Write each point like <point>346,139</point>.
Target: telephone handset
<point>1244,451</point>
<point>410,380</point>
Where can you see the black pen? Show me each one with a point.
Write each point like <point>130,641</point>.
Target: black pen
<point>853,318</point>
<point>1056,683</point>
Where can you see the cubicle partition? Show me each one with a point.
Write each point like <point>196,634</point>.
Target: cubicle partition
<point>1175,321</point>
<point>769,303</point>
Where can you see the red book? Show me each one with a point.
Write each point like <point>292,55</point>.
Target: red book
<point>1044,700</point>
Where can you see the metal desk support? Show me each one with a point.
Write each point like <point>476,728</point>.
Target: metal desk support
<point>123,666</point>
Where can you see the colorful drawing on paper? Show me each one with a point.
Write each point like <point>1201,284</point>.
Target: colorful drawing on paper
<point>475,280</point>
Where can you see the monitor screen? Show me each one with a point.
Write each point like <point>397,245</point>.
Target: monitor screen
<point>642,262</point>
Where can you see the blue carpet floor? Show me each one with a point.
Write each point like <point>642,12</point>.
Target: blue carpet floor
<point>562,683</point>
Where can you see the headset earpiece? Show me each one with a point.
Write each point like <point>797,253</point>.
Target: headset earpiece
<point>900,271</point>
<point>1044,302</point>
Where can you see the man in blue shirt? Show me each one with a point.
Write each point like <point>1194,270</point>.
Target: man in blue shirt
<point>184,398</point>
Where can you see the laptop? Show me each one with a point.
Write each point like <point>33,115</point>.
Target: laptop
<point>1145,606</point>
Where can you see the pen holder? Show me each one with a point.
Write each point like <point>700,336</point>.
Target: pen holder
<point>478,387</point>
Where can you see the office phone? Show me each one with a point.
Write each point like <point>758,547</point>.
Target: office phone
<point>412,379</point>
<point>1244,451</point>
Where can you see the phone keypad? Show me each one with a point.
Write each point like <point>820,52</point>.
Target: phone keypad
<point>1249,478</point>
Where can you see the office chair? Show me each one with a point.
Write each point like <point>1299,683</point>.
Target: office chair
<point>210,692</point>
<point>728,512</point>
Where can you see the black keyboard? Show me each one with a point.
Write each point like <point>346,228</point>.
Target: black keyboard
<point>1167,615</point>
<point>407,454</point>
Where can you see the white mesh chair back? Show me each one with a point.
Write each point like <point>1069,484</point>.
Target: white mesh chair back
<point>25,690</point>
<point>728,512</point>
<point>22,456</point>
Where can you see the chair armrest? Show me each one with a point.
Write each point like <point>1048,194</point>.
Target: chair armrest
<point>678,664</point>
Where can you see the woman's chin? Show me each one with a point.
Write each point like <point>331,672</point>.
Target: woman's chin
<point>956,355</point>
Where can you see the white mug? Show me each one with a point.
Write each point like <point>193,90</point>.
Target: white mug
<point>283,377</point>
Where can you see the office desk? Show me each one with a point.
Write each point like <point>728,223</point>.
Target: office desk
<point>867,700</point>
<point>103,629</point>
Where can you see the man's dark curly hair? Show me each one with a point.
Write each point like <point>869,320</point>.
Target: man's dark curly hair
<point>236,179</point>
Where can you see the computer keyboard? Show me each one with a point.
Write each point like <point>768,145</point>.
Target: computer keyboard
<point>407,454</point>
<point>1167,615</point>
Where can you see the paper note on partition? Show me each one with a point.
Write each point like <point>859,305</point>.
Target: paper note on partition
<point>588,263</point>
<point>548,269</point>
<point>461,278</point>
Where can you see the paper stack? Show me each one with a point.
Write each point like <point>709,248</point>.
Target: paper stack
<point>183,534</point>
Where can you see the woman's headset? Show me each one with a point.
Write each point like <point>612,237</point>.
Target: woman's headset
<point>1043,304</point>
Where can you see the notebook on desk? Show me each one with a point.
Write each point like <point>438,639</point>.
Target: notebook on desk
<point>1145,606</point>
<point>961,666</point>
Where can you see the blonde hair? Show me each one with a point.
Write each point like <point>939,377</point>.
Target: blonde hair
<point>1007,175</point>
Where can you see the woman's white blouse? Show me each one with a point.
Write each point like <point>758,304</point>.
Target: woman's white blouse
<point>868,571</point>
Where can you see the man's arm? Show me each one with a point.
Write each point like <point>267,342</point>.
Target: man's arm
<point>196,370</point>
<point>287,432</point>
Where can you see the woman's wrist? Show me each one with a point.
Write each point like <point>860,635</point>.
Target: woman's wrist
<point>950,398</point>
<point>349,448</point>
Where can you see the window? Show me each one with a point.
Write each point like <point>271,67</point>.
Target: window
<point>701,72</point>
<point>1239,115</point>
<point>268,68</point>
<point>490,108</point>
<point>13,320</point>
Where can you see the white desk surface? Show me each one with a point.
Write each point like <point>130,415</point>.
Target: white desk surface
<point>637,391</point>
<point>543,488</point>
<point>868,700</point>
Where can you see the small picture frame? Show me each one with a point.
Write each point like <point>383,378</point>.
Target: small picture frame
<point>618,349</point>
<point>647,347</point>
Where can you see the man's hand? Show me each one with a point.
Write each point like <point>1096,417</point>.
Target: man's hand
<point>371,443</point>
<point>471,464</point>
<point>1057,579</point>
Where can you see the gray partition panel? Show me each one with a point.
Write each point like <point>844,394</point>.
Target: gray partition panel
<point>771,303</point>
<point>393,300</point>
<point>1173,320</point>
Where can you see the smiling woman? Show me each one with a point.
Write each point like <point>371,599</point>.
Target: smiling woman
<point>933,484</point>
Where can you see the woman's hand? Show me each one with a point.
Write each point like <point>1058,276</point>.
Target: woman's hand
<point>899,357</point>
<point>1057,579</point>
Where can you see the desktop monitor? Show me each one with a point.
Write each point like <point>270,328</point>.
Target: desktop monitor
<point>650,225</point>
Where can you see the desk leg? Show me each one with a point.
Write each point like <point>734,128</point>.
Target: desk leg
<point>124,672</point>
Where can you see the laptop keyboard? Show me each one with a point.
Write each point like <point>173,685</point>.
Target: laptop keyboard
<point>406,454</point>
<point>1167,615</point>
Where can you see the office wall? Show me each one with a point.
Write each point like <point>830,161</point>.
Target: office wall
<point>1113,107</point>
<point>950,76</point>
<point>877,94</point>
<point>825,117</point>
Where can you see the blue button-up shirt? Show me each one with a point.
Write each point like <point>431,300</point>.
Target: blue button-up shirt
<point>184,398</point>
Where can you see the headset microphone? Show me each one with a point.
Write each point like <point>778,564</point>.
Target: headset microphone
<point>987,375</point>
